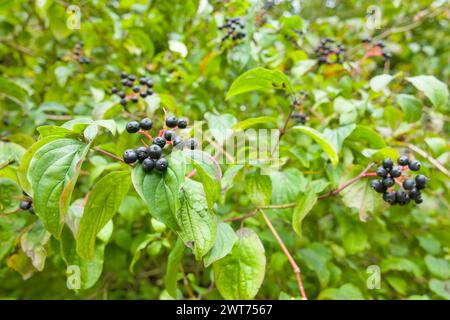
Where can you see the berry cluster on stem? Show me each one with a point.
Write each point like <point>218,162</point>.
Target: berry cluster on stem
<point>151,157</point>
<point>329,52</point>
<point>78,52</point>
<point>409,188</point>
<point>234,28</point>
<point>135,91</point>
<point>376,49</point>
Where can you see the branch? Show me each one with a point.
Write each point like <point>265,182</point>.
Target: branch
<point>249,215</point>
<point>288,255</point>
<point>350,182</point>
<point>106,153</point>
<point>432,160</point>
<point>186,283</point>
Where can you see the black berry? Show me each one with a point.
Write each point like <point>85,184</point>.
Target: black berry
<point>130,156</point>
<point>182,123</point>
<point>131,77</point>
<point>123,75</point>
<point>123,102</point>
<point>191,143</point>
<point>378,186</point>
<point>154,151</point>
<point>149,83</point>
<point>382,172</point>
<point>408,184</point>
<point>146,124</point>
<point>402,197</point>
<point>132,127</point>
<point>390,197</point>
<point>141,153</point>
<point>388,163</point>
<point>178,141</point>
<point>142,80</point>
<point>396,172</point>
<point>114,90</point>
<point>121,94</point>
<point>143,94</point>
<point>134,99</point>
<point>414,165</point>
<point>168,135</point>
<point>414,193</point>
<point>160,141</point>
<point>403,161</point>
<point>421,181</point>
<point>171,122</point>
<point>25,204</point>
<point>388,182</point>
<point>161,164</point>
<point>148,164</point>
<point>136,89</point>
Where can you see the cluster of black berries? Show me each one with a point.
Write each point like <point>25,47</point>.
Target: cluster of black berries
<point>234,27</point>
<point>143,89</point>
<point>151,157</point>
<point>79,53</point>
<point>328,52</point>
<point>300,117</point>
<point>27,204</point>
<point>390,174</point>
<point>378,48</point>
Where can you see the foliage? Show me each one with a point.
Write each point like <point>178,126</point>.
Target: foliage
<point>212,226</point>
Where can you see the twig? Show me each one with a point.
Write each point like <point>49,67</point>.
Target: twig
<point>6,164</point>
<point>106,153</point>
<point>288,255</point>
<point>186,283</point>
<point>432,160</point>
<point>345,185</point>
<point>251,214</point>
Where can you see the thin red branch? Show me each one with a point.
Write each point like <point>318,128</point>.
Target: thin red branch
<point>288,255</point>
<point>106,153</point>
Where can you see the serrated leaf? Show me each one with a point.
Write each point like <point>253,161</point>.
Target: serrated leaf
<point>434,89</point>
<point>240,274</point>
<point>225,240</point>
<point>161,191</point>
<point>259,79</point>
<point>52,173</point>
<point>326,146</point>
<point>173,264</point>
<point>197,223</point>
<point>103,202</point>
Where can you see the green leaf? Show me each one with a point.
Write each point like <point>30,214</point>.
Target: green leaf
<point>10,152</point>
<point>52,173</point>
<point>369,135</point>
<point>220,125</point>
<point>62,73</point>
<point>434,89</point>
<point>103,202</point>
<point>33,244</point>
<point>225,240</point>
<point>197,224</point>
<point>337,136</point>
<point>161,191</point>
<point>254,121</point>
<point>259,79</point>
<point>400,264</point>
<point>380,82</point>
<point>305,203</point>
<point>210,184</point>
<point>58,21</point>
<point>173,264</point>
<point>316,257</point>
<point>12,91</point>
<point>346,292</point>
<point>138,251</point>
<point>411,106</point>
<point>322,141</point>
<point>441,288</point>
<point>360,195</point>
<point>380,154</point>
<point>240,274</point>
<point>438,267</point>
<point>258,188</point>
<point>10,195</point>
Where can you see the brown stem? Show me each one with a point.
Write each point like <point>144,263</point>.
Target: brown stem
<point>251,214</point>
<point>432,160</point>
<point>106,153</point>
<point>288,255</point>
<point>186,283</point>
<point>348,183</point>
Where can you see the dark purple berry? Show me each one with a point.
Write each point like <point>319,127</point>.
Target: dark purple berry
<point>171,122</point>
<point>132,127</point>
<point>146,124</point>
<point>168,135</point>
<point>154,151</point>
<point>403,161</point>
<point>388,163</point>
<point>182,123</point>
<point>414,165</point>
<point>148,164</point>
<point>395,172</point>
<point>160,141</point>
<point>161,164</point>
<point>390,197</point>
<point>382,172</point>
<point>141,153</point>
<point>408,184</point>
<point>130,156</point>
<point>388,182</point>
